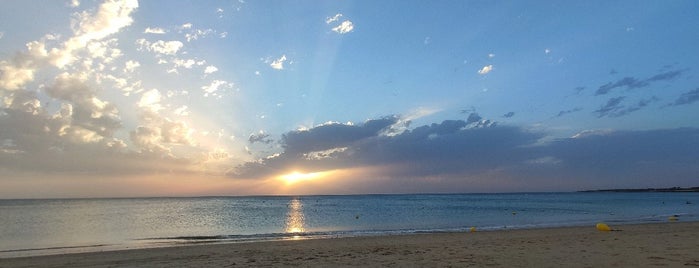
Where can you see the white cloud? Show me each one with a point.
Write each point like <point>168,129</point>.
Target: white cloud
<point>2,34</point>
<point>155,30</point>
<point>182,111</point>
<point>547,51</point>
<point>150,100</point>
<point>278,64</point>
<point>109,19</point>
<point>215,86</point>
<point>194,35</point>
<point>14,77</point>
<point>160,46</point>
<point>131,65</point>
<point>491,55</point>
<point>485,69</point>
<point>332,19</point>
<point>186,26</point>
<point>74,3</point>
<point>184,63</point>
<point>210,69</point>
<point>344,27</point>
<point>167,48</point>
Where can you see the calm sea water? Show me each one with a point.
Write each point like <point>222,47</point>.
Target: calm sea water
<point>34,227</point>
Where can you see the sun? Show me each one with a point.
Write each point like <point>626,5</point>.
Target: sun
<point>296,176</point>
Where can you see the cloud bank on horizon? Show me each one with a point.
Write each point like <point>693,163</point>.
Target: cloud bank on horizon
<point>100,98</point>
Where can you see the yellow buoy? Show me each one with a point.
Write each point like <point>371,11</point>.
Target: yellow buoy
<point>672,218</point>
<point>603,227</point>
<point>473,229</point>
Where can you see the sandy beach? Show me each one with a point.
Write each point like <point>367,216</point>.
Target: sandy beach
<point>664,244</point>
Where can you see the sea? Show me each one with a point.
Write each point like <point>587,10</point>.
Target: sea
<point>55,226</point>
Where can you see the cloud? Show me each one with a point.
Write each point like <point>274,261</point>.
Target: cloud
<point>215,86</point>
<point>628,82</point>
<point>131,65</point>
<point>260,137</point>
<point>74,3</point>
<point>564,112</point>
<point>629,157</point>
<point>344,27</point>
<point>160,135</point>
<point>612,105</point>
<point>13,75</point>
<point>486,69</point>
<point>278,64</point>
<point>509,114</point>
<point>688,97</point>
<point>459,157</point>
<point>332,19</point>
<point>64,125</point>
<point>633,83</point>
<point>210,69</point>
<point>155,30</point>
<point>437,148</point>
<point>196,34</point>
<point>160,46</point>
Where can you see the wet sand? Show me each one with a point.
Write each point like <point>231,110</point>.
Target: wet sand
<point>664,244</point>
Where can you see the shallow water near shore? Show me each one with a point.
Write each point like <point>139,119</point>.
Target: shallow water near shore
<point>37,227</point>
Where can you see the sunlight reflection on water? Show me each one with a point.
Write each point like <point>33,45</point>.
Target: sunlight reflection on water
<point>295,220</point>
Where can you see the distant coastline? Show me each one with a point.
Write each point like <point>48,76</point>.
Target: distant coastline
<point>665,190</point>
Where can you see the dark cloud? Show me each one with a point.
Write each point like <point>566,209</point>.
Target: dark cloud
<point>508,115</point>
<point>334,135</point>
<point>455,150</point>
<point>260,137</point>
<point>614,108</point>
<point>666,75</point>
<point>632,82</point>
<point>687,98</point>
<point>578,90</point>
<point>632,157</point>
<point>473,117</point>
<point>612,105</point>
<point>639,105</point>
<point>439,148</point>
<point>628,82</point>
<point>564,112</point>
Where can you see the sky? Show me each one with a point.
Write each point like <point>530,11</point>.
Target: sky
<point>121,98</point>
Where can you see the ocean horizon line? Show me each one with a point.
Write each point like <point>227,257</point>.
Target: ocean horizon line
<point>608,190</point>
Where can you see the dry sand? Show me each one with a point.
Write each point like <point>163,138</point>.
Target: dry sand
<point>665,244</point>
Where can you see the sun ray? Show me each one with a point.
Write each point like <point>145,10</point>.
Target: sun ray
<point>296,176</point>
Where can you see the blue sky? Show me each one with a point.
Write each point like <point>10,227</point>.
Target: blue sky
<point>128,98</point>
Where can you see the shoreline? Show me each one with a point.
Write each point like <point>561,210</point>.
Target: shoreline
<point>669,243</point>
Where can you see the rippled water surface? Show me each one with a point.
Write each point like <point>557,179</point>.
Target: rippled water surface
<point>48,226</point>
